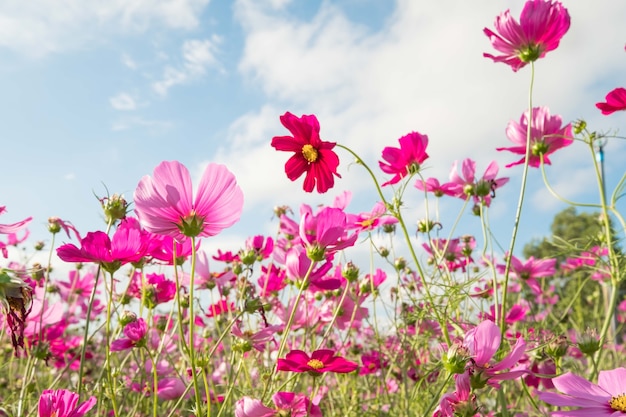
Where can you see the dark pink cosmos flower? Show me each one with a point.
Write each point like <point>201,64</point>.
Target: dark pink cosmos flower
<point>405,160</point>
<point>546,136</point>
<point>125,246</point>
<point>219,308</point>
<point>460,402</point>
<point>135,333</point>
<point>311,154</point>
<point>541,26</point>
<point>372,362</point>
<point>320,361</point>
<point>483,343</point>
<point>165,204</point>
<point>63,403</point>
<point>606,399</point>
<point>158,290</point>
<point>286,404</point>
<point>615,101</point>
<point>272,280</point>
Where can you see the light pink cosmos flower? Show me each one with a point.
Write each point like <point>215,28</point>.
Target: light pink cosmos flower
<point>63,403</point>
<point>405,160</point>
<point>546,136</point>
<point>615,101</point>
<point>606,399</point>
<point>466,185</point>
<point>432,185</point>
<point>541,26</point>
<point>483,343</point>
<point>287,403</point>
<point>320,361</point>
<point>256,340</point>
<point>372,220</point>
<point>165,204</point>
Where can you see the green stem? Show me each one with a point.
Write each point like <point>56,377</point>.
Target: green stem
<point>520,203</point>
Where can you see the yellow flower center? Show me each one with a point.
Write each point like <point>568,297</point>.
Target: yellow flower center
<point>618,403</point>
<point>315,364</point>
<point>367,223</point>
<point>309,153</point>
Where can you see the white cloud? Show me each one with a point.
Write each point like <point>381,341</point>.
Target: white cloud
<point>128,61</point>
<point>155,126</point>
<point>422,71</point>
<point>123,102</point>
<point>197,57</point>
<point>40,27</point>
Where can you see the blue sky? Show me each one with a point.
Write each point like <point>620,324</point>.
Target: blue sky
<point>97,93</point>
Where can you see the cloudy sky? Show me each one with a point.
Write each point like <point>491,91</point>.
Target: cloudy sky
<point>96,93</point>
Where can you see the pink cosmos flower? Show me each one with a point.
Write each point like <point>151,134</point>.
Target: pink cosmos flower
<point>14,227</point>
<point>125,246</point>
<point>372,220</point>
<point>135,333</point>
<point>530,270</point>
<point>165,204</point>
<point>483,343</point>
<point>63,403</point>
<point>460,402</point>
<point>256,340</point>
<point>286,403</point>
<point>405,160</point>
<point>298,263</point>
<point>546,136</point>
<point>482,190</point>
<point>272,280</point>
<point>432,185</point>
<point>541,26</point>
<point>311,154</point>
<point>320,361</point>
<point>615,101</point>
<point>325,233</point>
<point>607,398</point>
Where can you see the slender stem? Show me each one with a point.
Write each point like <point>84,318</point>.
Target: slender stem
<point>192,327</point>
<point>520,203</point>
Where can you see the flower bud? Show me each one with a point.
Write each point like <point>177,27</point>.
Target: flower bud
<point>455,359</point>
<point>558,346</point>
<point>589,342</point>
<point>350,272</point>
<point>128,317</point>
<point>114,208</point>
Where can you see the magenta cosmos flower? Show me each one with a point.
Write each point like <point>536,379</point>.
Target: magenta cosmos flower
<point>405,160</point>
<point>483,342</point>
<point>311,154</point>
<point>541,26</point>
<point>287,404</point>
<point>126,246</point>
<point>63,403</point>
<point>320,361</point>
<point>607,398</point>
<point>6,229</point>
<point>546,136</point>
<point>615,101</point>
<point>165,205</point>
<point>135,333</point>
